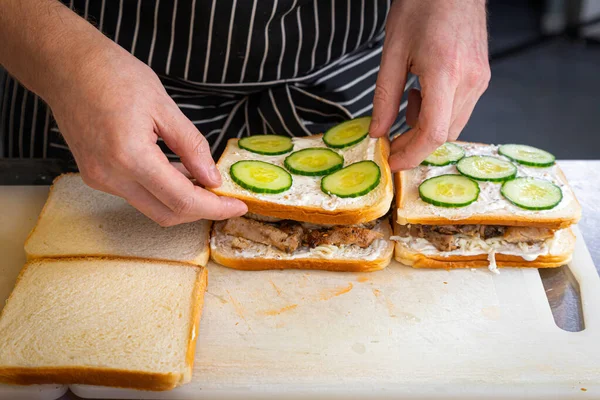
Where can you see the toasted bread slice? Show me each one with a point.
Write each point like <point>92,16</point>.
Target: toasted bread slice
<point>305,201</point>
<point>80,221</point>
<point>491,208</point>
<point>331,258</point>
<point>559,253</point>
<point>109,322</point>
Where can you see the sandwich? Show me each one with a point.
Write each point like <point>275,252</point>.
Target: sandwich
<point>80,221</point>
<point>317,202</point>
<point>102,321</point>
<point>475,205</point>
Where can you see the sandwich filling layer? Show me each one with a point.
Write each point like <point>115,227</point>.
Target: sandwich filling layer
<point>466,240</point>
<point>284,239</point>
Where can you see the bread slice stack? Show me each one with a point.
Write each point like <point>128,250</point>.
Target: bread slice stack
<point>107,297</point>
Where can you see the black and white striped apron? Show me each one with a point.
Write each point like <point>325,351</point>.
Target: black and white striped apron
<point>234,67</point>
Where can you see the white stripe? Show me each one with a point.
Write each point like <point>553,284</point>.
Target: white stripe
<point>59,146</point>
<point>86,9</point>
<point>249,41</point>
<point>22,122</point>
<point>348,66</point>
<point>153,42</point>
<point>119,18</point>
<point>46,123</point>
<point>137,26</point>
<point>209,134</point>
<point>173,156</point>
<point>223,93</point>
<point>71,4</point>
<point>368,90</point>
<point>266,122</point>
<point>362,24</point>
<point>213,119</point>
<point>397,125</point>
<point>228,48</point>
<point>299,42</point>
<point>226,125</point>
<point>308,110</point>
<point>210,32</point>
<point>332,31</point>
<point>264,126</point>
<point>355,81</point>
<point>375,18</point>
<point>11,121</point>
<point>348,21</point>
<point>33,133</point>
<point>53,129</point>
<point>170,54</point>
<point>274,103</point>
<point>190,40</point>
<point>198,107</point>
<point>342,109</point>
<point>239,134</point>
<point>262,64</point>
<point>246,116</point>
<point>315,7</point>
<point>100,25</point>
<point>370,106</point>
<point>287,91</point>
<point>283,39</point>
<point>3,114</point>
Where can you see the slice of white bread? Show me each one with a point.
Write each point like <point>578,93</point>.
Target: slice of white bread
<point>559,253</point>
<point>109,322</point>
<point>305,201</point>
<point>330,258</point>
<point>79,221</point>
<point>491,208</point>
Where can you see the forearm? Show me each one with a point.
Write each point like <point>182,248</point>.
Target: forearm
<point>44,43</point>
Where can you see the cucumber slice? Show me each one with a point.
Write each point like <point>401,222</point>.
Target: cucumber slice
<point>347,133</point>
<point>451,190</point>
<point>355,180</point>
<point>260,177</point>
<point>269,145</point>
<point>448,153</point>
<point>484,168</point>
<point>313,162</point>
<point>532,193</point>
<point>527,155</point>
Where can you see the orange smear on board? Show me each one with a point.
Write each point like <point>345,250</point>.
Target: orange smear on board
<point>281,310</point>
<point>329,294</point>
<point>362,278</point>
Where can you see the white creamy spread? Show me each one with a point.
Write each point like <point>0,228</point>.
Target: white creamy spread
<point>493,267</point>
<point>258,250</point>
<point>490,198</point>
<point>305,190</point>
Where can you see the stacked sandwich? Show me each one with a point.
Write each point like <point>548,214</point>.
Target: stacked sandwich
<point>108,297</point>
<point>318,202</point>
<point>473,205</point>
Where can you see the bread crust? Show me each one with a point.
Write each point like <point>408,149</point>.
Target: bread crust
<point>127,379</point>
<point>534,220</point>
<point>201,259</point>
<point>407,256</point>
<point>318,215</point>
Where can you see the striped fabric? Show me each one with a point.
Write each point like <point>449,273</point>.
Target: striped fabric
<point>234,67</point>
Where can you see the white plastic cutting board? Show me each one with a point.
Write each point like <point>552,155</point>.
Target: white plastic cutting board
<point>397,333</point>
<point>19,208</point>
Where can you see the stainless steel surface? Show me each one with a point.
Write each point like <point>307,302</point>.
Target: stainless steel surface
<point>561,288</point>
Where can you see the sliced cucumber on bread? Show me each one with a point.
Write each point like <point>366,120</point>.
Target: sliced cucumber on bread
<point>446,154</point>
<point>485,168</point>
<point>260,177</point>
<point>347,133</point>
<point>354,180</point>
<point>450,190</point>
<point>269,145</point>
<point>532,193</point>
<point>527,155</point>
<point>313,162</point>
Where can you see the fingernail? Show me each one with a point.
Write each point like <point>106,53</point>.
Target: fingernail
<point>373,126</point>
<point>238,205</point>
<point>214,174</point>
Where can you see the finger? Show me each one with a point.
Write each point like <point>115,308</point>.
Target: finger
<point>413,108</point>
<point>145,202</point>
<point>187,142</point>
<point>431,130</point>
<point>388,88</point>
<point>187,201</point>
<point>463,117</point>
<point>181,168</point>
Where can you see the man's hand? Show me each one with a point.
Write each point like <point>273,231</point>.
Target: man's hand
<point>111,108</point>
<point>445,44</point>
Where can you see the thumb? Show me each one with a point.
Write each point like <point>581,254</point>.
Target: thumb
<point>182,137</point>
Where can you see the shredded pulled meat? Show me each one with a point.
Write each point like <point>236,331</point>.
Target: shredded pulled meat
<point>444,237</point>
<point>289,235</point>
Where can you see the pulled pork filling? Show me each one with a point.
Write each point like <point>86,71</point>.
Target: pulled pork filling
<point>445,237</point>
<point>288,236</point>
